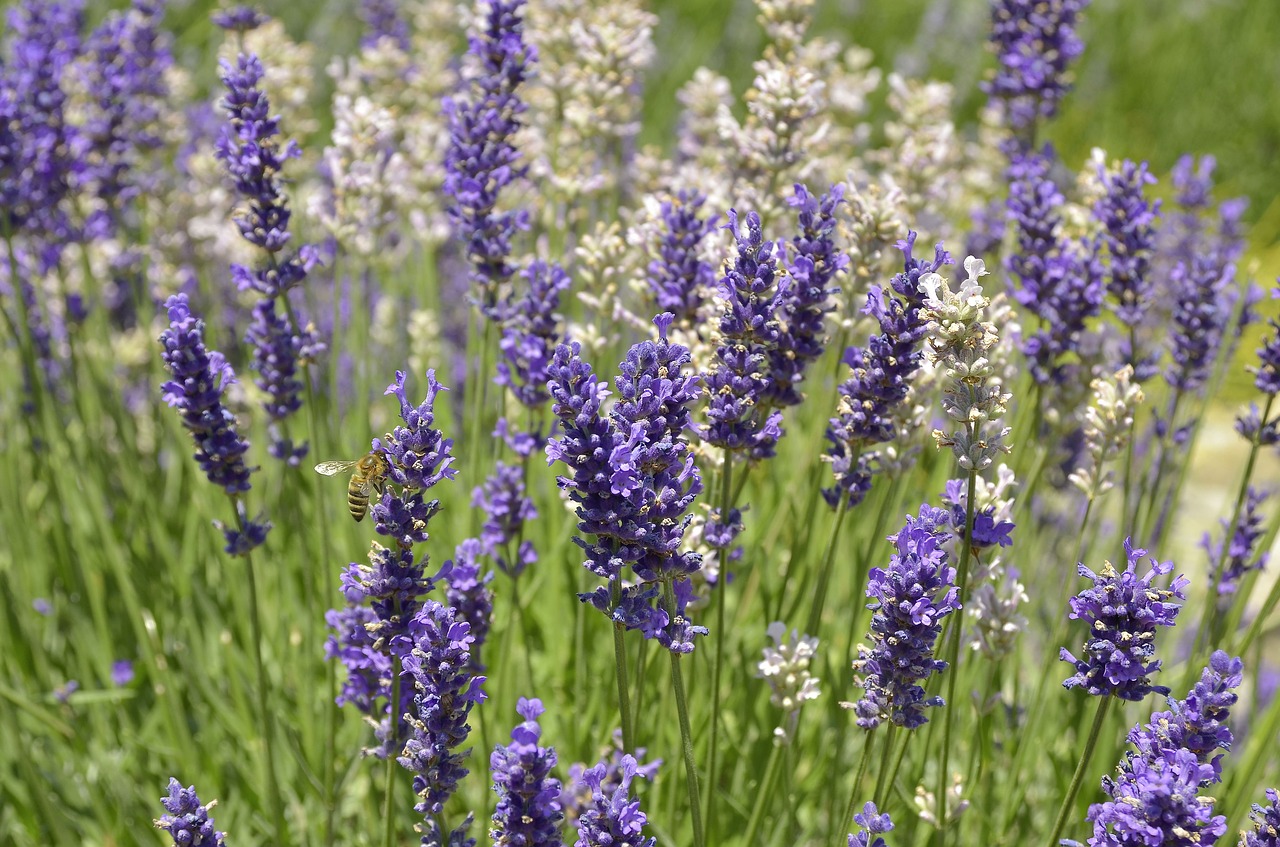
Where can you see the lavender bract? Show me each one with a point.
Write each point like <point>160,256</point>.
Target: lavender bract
<point>528,810</point>
<point>445,689</point>
<point>186,819</point>
<point>1122,611</point>
<point>910,598</point>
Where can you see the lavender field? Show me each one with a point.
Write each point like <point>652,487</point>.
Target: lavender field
<point>549,422</point>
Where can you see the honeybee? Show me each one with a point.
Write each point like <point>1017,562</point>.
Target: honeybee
<point>368,473</point>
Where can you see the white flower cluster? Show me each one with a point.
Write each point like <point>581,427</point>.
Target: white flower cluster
<point>785,667</point>
<point>959,342</point>
<point>1108,425</point>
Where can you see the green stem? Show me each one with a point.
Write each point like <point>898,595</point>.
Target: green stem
<point>953,653</point>
<point>722,635</point>
<point>620,671</point>
<point>864,761</point>
<point>686,734</point>
<point>828,560</point>
<point>393,726</point>
<point>764,794</point>
<point>884,781</point>
<point>1077,778</point>
<point>264,711</point>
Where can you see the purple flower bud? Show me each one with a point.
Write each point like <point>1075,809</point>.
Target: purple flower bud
<point>506,508</point>
<point>873,824</point>
<point>1128,220</point>
<point>470,596</point>
<point>528,810</point>
<point>186,819</point>
<point>613,818</point>
<point>1240,554</point>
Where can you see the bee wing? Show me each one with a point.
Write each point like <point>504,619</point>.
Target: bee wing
<point>331,468</point>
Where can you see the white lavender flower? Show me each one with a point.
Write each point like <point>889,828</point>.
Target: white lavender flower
<point>959,342</point>
<point>1108,425</point>
<point>785,667</point>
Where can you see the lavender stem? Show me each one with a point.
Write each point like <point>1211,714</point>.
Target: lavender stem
<point>1077,779</point>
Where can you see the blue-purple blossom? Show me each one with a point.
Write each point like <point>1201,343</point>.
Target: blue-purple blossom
<point>420,454</point>
<point>469,595</point>
<point>121,672</point>
<point>528,812</point>
<point>987,530</point>
<point>1128,221</point>
<point>1035,41</point>
<point>739,383</point>
<point>368,670</point>
<point>1121,612</point>
<point>199,379</point>
<point>1252,427</point>
<point>634,478</point>
<point>278,349</point>
<point>872,825</point>
<point>1242,554</point>
<point>482,158</point>
<point>1267,372</point>
<point>506,508</point>
<point>1266,823</point>
<point>531,332</point>
<point>613,818</point>
<point>1059,281</point>
<point>805,297</point>
<point>1203,300</point>
<point>445,689</point>
<point>382,20</point>
<point>186,819</point>
<point>241,18</point>
<point>63,692</point>
<point>679,279</point>
<point>1199,723</point>
<point>909,599</point>
<point>1156,802</point>
<point>577,795</point>
<point>881,376</point>
<point>42,606</point>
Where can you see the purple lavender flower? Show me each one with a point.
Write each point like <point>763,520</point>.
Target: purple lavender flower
<point>678,278</point>
<point>987,531</point>
<point>446,690</point>
<point>42,606</point>
<point>121,672</point>
<point>1266,823</point>
<point>506,508</point>
<point>421,455</point>
<point>1267,373</point>
<point>531,332</point>
<point>881,375</point>
<point>740,418</point>
<point>1128,220</point>
<point>482,158</point>
<point>528,810</point>
<point>1035,41</point>
<point>382,20</point>
<point>239,19</point>
<point>199,378</point>
<point>186,819</point>
<point>873,824</point>
<point>368,670</point>
<point>1252,427</point>
<point>1155,801</point>
<point>613,817</point>
<point>988,228</point>
<point>634,478</point>
<point>806,297</point>
<point>909,600</point>
<point>577,796</point>
<point>277,350</point>
<point>63,692</point>
<point>1122,611</point>
<point>1199,723</point>
<point>37,145</point>
<point>1203,300</point>
<point>1241,556</point>
<point>470,596</point>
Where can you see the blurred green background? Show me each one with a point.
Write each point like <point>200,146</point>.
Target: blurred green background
<point>1159,78</point>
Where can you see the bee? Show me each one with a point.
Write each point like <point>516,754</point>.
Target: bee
<point>368,473</point>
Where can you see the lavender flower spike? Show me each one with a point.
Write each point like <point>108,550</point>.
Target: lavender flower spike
<point>445,692</point>
<point>1034,41</point>
<point>1266,823</point>
<point>506,508</point>
<point>1129,220</point>
<point>873,824</point>
<point>1156,801</point>
<point>909,600</point>
<point>613,818</point>
<point>1241,557</point>
<point>528,810</point>
<point>187,819</point>
<point>469,594</point>
<point>678,278</point>
<point>1122,611</point>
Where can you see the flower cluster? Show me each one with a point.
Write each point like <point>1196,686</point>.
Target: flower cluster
<point>873,825</point>
<point>469,595</point>
<point>1266,823</point>
<point>368,670</point>
<point>528,810</point>
<point>806,297</point>
<point>482,157</point>
<point>959,341</point>
<point>382,20</point>
<point>739,417</point>
<point>1122,611</point>
<point>577,795</point>
<point>1241,555</point>
<point>186,819</point>
<point>506,508</point>
<point>1035,41</point>
<point>1267,372</point>
<point>445,690</point>
<point>1128,220</point>
<point>612,818</point>
<point>910,598</point>
<point>239,19</point>
<point>678,277</point>
<point>881,375</point>
<point>634,479</point>
<point>531,330</point>
<point>785,667</point>
<point>992,514</point>
<point>1107,424</point>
